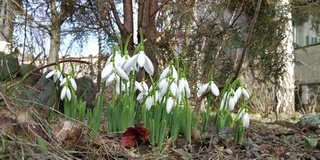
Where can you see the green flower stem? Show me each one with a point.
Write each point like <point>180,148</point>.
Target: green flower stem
<point>67,108</point>
<point>81,110</point>
<point>206,116</point>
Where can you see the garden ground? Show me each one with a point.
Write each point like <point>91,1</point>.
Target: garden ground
<point>26,134</point>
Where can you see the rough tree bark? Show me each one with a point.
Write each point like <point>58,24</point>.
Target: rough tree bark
<point>285,89</point>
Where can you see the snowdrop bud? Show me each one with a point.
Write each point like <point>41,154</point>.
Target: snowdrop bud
<point>245,120</point>
<point>169,105</point>
<point>232,102</point>
<point>149,102</point>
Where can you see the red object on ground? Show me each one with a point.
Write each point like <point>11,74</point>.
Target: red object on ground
<point>132,136</point>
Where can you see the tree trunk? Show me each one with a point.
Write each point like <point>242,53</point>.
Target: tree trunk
<point>285,91</point>
<point>99,59</point>
<point>128,23</point>
<point>55,33</point>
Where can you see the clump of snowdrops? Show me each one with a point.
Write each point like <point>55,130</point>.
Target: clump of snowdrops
<point>162,107</point>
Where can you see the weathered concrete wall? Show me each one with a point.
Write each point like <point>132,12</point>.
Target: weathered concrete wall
<point>309,70</point>
<point>307,77</point>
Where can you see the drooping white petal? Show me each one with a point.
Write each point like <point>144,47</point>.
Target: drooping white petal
<point>118,59</point>
<point>145,88</point>
<point>117,88</point>
<point>156,95</point>
<point>237,93</point>
<point>214,89</point>
<point>63,92</point>
<point>245,93</point>
<point>181,86</point>
<point>173,88</point>
<point>149,102</point>
<point>107,70</point>
<point>50,74</point>
<point>141,58</point>
<point>110,79</point>
<point>174,73</point>
<point>164,73</point>
<point>202,89</point>
<point>68,94</point>
<point>58,75</point>
<point>163,91</point>
<point>121,72</point>
<point>245,120</point>
<point>148,66</point>
<point>140,97</point>
<point>64,80</point>
<point>187,89</point>
<point>169,105</point>
<point>131,62</point>
<point>163,83</point>
<point>73,83</point>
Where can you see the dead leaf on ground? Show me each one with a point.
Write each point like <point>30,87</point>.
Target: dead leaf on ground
<point>132,136</point>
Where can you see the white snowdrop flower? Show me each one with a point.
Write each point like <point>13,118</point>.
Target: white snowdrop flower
<point>231,98</point>
<point>71,80</point>
<point>113,68</point>
<point>213,87</point>
<point>184,86</point>
<point>65,92</point>
<point>163,85</point>
<point>130,64</point>
<point>170,70</point>
<point>145,62</point>
<point>241,91</point>
<point>56,75</point>
<point>142,60</point>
